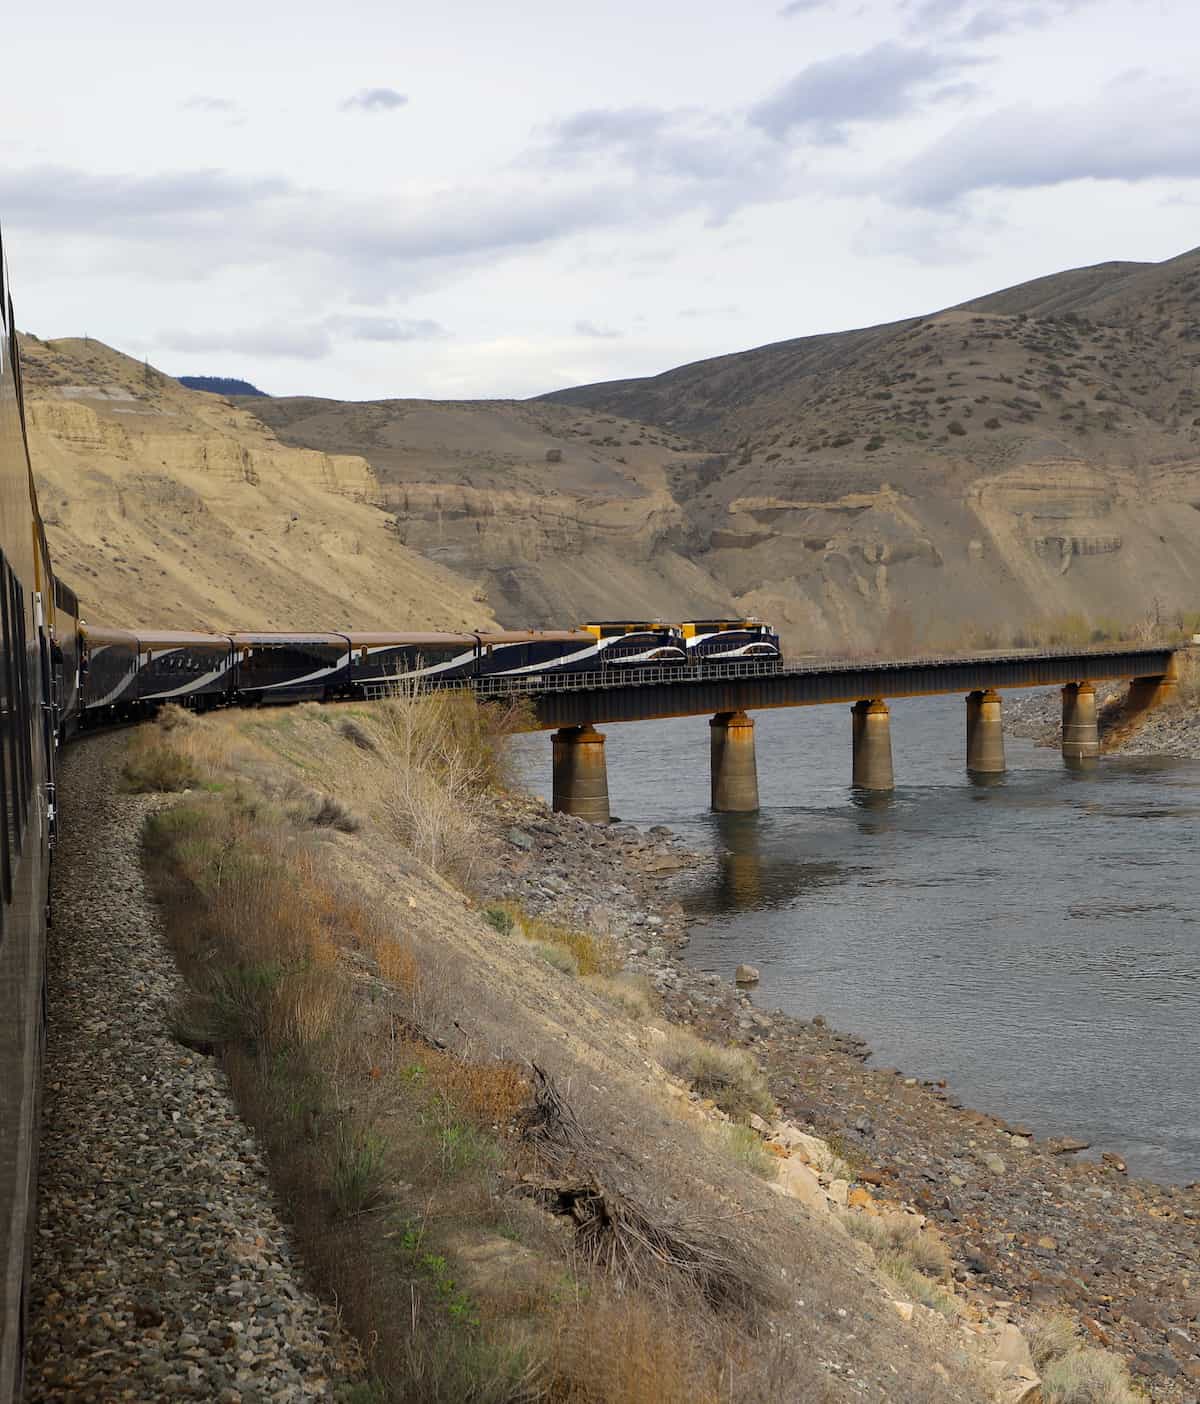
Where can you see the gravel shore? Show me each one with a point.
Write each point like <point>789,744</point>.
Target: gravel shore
<point>161,1268</point>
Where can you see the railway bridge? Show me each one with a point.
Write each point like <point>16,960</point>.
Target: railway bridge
<point>573,703</point>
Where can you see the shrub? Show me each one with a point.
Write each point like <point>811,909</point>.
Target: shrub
<point>500,918</point>
<point>992,423</point>
<point>727,1075</point>
<point>873,443</point>
<point>358,1179</point>
<point>955,427</point>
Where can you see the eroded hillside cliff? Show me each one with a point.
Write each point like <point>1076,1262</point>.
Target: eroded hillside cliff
<point>174,507</point>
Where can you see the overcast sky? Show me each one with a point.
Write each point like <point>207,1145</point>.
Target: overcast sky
<point>375,198</point>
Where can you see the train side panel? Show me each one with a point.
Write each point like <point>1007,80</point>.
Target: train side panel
<point>24,858</point>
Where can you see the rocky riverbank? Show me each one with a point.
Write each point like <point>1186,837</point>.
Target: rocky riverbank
<point>1032,1227</point>
<point>1170,731</point>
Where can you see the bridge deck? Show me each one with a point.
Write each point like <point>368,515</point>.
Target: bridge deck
<point>640,694</point>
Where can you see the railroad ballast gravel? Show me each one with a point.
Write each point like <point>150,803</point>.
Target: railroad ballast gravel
<point>161,1267</point>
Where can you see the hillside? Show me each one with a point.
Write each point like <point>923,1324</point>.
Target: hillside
<point>1024,464</point>
<point>566,515</point>
<point>219,385</point>
<point>170,506</point>
<point>1030,454</point>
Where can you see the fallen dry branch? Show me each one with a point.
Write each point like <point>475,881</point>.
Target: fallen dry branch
<point>623,1236</point>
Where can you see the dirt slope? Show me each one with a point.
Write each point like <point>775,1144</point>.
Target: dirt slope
<point>175,507</point>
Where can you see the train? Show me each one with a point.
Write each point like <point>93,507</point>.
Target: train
<point>60,673</point>
<point>126,673</point>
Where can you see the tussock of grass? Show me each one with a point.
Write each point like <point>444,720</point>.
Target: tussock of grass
<point>915,1259</point>
<point>1050,1337</point>
<point>153,764</point>
<point>567,948</point>
<point>728,1075</point>
<point>611,1349</point>
<point>1087,1376</point>
<point>558,956</point>
<point>745,1147</point>
<point>633,994</point>
<point>915,1285</point>
<point>898,1234</point>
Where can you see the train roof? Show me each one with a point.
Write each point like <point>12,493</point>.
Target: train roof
<point>177,638</point>
<point>100,634</point>
<point>382,637</point>
<point>265,638</point>
<point>536,636</point>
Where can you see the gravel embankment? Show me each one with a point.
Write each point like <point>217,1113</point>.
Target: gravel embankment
<point>162,1270</point>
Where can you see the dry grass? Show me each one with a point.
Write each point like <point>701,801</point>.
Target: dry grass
<point>728,1075</point>
<point>1073,1373</point>
<point>915,1259</point>
<point>1088,1376</point>
<point>745,1148</point>
<point>567,948</point>
<point>611,1349</point>
<point>632,994</point>
<point>152,763</point>
<point>1050,1337</point>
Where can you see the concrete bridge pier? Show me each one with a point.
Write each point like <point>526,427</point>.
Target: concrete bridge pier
<point>985,733</point>
<point>1146,694</point>
<point>734,770</point>
<point>1080,734</point>
<point>580,773</point>
<point>870,723</point>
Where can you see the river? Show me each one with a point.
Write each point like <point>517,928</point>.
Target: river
<point>1035,941</point>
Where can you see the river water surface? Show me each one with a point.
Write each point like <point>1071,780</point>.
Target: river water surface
<point>1035,941</point>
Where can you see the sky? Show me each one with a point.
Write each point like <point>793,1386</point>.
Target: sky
<point>376,199</point>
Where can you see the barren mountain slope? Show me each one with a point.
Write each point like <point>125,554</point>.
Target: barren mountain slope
<point>1030,454</point>
<point>567,515</point>
<point>174,507</point>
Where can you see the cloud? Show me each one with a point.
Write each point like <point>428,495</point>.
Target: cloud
<point>374,328</point>
<point>1138,129</point>
<point>203,102</point>
<point>670,161</point>
<point>375,100</point>
<point>887,81</point>
<point>981,19</point>
<point>308,341</point>
<point>727,309</point>
<point>801,7</point>
<point>58,199</point>
<point>585,328</point>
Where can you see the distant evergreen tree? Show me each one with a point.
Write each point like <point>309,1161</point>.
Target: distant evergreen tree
<point>221,385</point>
